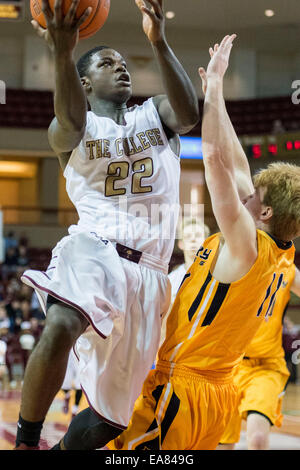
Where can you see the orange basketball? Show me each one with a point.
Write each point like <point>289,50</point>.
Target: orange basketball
<point>92,24</point>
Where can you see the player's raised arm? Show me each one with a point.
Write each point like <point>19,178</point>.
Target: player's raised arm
<point>178,109</point>
<point>241,165</point>
<point>234,220</point>
<point>61,35</point>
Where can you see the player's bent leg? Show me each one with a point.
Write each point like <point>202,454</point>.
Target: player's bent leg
<point>258,431</point>
<point>87,432</point>
<point>46,369</point>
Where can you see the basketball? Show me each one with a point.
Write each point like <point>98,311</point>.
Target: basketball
<point>92,24</point>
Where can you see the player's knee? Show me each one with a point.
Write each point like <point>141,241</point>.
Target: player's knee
<point>62,329</point>
<point>258,440</point>
<point>88,432</point>
<point>98,436</point>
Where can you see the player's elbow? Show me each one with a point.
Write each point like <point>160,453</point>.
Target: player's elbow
<point>74,125</point>
<point>212,155</point>
<point>189,122</point>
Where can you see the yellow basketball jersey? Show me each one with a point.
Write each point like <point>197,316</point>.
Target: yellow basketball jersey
<point>267,342</point>
<point>211,323</point>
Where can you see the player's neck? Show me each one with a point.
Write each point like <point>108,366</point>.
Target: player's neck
<point>188,260</point>
<point>115,111</point>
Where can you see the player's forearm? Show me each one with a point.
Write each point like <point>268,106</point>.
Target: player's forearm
<point>216,132</point>
<point>70,103</point>
<point>239,157</point>
<point>217,158</point>
<point>178,87</point>
<point>242,170</point>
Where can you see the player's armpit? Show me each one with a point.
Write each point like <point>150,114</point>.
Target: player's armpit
<point>244,183</point>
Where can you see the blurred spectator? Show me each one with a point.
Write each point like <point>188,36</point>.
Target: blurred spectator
<point>290,333</point>
<point>27,341</point>
<point>21,317</point>
<point>15,315</point>
<point>23,240</point>
<point>12,288</point>
<point>277,127</point>
<point>2,289</point>
<point>4,319</point>
<point>10,241</point>
<point>22,259</point>
<point>26,310</point>
<point>11,258</point>
<point>36,310</point>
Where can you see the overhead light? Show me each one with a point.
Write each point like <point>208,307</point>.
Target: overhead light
<point>269,13</point>
<point>170,15</point>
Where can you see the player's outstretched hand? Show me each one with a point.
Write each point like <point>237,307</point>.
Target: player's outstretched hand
<point>219,61</point>
<point>62,32</point>
<point>153,19</point>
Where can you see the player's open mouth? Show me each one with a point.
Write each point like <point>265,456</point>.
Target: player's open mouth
<point>125,79</point>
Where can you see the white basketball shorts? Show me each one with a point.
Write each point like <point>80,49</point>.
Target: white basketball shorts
<point>72,379</point>
<point>123,301</point>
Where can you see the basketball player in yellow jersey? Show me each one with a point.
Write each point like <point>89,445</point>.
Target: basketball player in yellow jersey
<point>226,294</point>
<point>262,376</point>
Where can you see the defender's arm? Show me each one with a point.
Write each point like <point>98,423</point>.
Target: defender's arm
<point>242,169</point>
<point>234,220</point>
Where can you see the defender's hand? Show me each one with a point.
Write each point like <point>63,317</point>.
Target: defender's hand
<point>202,71</point>
<point>153,19</point>
<point>219,59</point>
<point>62,32</point>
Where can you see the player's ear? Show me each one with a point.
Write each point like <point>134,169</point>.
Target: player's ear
<point>180,245</point>
<point>266,213</point>
<point>85,82</point>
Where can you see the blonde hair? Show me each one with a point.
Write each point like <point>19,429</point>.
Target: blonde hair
<point>282,183</point>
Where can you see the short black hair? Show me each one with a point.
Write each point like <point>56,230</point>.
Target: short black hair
<point>84,61</point>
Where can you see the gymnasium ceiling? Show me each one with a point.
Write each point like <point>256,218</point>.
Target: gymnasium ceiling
<point>196,22</point>
<point>216,14</point>
<point>213,14</point>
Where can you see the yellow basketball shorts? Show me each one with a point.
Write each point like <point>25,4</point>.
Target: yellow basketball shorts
<point>261,384</point>
<point>182,412</point>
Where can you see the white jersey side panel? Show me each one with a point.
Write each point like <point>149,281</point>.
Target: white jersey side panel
<point>124,181</point>
<point>176,277</point>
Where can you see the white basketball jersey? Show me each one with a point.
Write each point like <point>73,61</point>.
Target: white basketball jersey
<point>124,181</point>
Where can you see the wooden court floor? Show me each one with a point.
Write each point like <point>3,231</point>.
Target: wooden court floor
<point>287,437</point>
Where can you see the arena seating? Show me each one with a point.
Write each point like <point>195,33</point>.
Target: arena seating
<point>34,109</point>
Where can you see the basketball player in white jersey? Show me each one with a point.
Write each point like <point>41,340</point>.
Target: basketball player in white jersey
<point>106,287</point>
